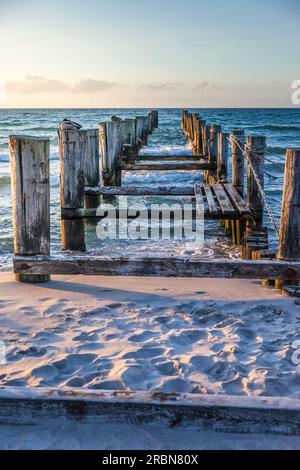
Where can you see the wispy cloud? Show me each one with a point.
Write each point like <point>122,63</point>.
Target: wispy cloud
<point>167,86</point>
<point>33,84</point>
<point>89,85</point>
<point>205,85</point>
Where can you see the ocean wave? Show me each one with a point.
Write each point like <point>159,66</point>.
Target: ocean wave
<point>4,180</point>
<point>277,127</point>
<point>167,150</point>
<point>276,150</point>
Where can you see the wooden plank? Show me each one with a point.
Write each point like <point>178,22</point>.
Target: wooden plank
<point>211,201</point>
<point>237,200</point>
<point>197,165</point>
<point>162,158</point>
<point>141,191</point>
<point>199,199</point>
<point>223,200</point>
<point>219,413</point>
<point>157,267</point>
<point>93,213</point>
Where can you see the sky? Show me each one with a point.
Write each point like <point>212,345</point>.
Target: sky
<point>141,53</point>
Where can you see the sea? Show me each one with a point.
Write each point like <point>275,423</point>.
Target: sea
<point>280,126</point>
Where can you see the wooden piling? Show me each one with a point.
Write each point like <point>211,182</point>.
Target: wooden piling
<point>203,138</point>
<point>255,150</point>
<point>30,183</point>
<point>211,175</point>
<point>111,144</point>
<point>289,239</point>
<point>91,165</point>
<point>238,173</point>
<point>222,162</point>
<point>72,184</point>
<point>139,132</point>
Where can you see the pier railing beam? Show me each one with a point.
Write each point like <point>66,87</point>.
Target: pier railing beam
<point>30,182</point>
<point>289,240</point>
<point>72,184</point>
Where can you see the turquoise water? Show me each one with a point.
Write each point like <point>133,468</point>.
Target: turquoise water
<point>281,126</point>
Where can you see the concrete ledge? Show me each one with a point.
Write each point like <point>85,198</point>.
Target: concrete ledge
<point>236,414</point>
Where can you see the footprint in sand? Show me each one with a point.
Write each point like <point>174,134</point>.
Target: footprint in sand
<point>16,382</point>
<point>86,336</point>
<point>144,353</point>
<point>75,382</point>
<point>143,336</point>
<point>48,337</point>
<point>74,361</point>
<point>174,385</point>
<point>107,385</point>
<point>115,305</point>
<point>166,367</point>
<point>34,351</point>
<point>46,372</point>
<point>28,311</point>
<point>188,337</point>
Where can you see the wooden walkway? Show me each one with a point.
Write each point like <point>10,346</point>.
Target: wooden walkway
<point>214,196</point>
<point>218,201</point>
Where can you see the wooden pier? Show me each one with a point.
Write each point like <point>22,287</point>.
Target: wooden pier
<point>88,156</point>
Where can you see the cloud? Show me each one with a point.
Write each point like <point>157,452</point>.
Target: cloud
<point>209,85</point>
<point>167,86</point>
<point>89,85</point>
<point>33,84</point>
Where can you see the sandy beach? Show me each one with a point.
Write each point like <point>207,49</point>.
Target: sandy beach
<point>172,335</point>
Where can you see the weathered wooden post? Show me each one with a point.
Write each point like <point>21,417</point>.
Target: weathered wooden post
<point>223,144</point>
<point>255,151</point>
<point>213,151</point>
<point>203,138</point>
<point>155,118</point>
<point>256,236</point>
<point>30,183</point>
<point>139,132</point>
<point>72,184</point>
<point>289,239</point>
<point>129,146</point>
<point>237,138</point>
<point>111,144</point>
<point>91,165</point>
<point>238,164</point>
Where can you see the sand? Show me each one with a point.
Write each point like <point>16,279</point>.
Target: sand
<point>173,335</point>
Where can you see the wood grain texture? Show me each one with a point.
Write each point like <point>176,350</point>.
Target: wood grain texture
<point>30,184</point>
<point>219,413</point>
<point>289,243</point>
<point>238,163</point>
<point>91,157</point>
<point>158,267</point>
<point>255,148</point>
<point>29,157</point>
